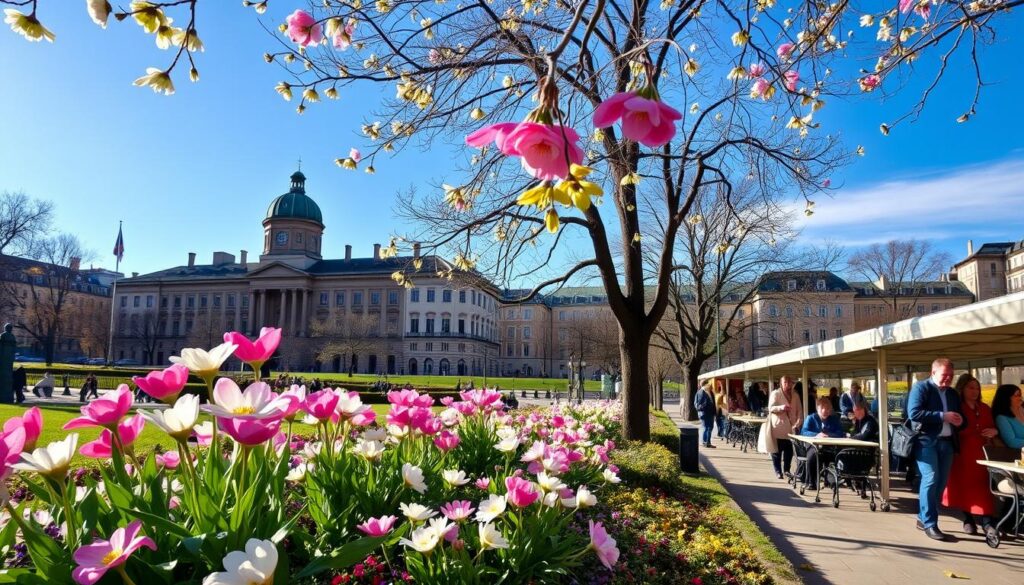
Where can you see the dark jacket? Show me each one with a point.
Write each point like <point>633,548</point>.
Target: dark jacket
<point>756,400</point>
<point>704,402</point>
<point>865,429</point>
<point>846,402</point>
<point>830,426</point>
<point>924,408</point>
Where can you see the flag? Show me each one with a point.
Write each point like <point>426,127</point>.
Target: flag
<point>119,245</point>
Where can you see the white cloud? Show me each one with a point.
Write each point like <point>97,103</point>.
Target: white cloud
<point>965,202</point>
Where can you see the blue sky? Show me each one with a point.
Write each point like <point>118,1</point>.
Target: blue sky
<point>196,171</point>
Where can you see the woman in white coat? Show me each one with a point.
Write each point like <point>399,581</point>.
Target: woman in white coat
<point>785,415</point>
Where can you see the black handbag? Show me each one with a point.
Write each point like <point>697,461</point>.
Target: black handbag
<point>903,438</point>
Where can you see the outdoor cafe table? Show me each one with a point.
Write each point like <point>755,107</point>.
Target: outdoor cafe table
<point>1007,466</point>
<point>751,425</point>
<point>837,444</point>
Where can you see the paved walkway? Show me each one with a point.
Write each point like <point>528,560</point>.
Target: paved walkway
<point>851,544</point>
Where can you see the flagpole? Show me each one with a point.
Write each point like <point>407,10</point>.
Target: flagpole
<point>113,302</point>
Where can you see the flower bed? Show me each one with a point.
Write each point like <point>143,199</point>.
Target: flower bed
<point>471,494</point>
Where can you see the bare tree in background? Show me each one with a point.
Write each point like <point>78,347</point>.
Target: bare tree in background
<point>720,255</point>
<point>346,336</point>
<point>207,329</point>
<point>147,329</point>
<point>92,325</point>
<point>22,220</point>
<point>899,272</point>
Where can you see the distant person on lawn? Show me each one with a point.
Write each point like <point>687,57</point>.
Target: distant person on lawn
<point>704,403</point>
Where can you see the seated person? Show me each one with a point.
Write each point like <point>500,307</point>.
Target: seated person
<point>823,423</point>
<point>865,426</point>
<point>1008,412</point>
<point>849,399</point>
<point>833,396</point>
<point>44,387</point>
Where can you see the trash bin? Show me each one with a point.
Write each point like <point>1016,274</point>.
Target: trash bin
<point>688,441</point>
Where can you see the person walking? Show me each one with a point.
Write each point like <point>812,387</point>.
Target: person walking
<point>94,387</point>
<point>968,489</point>
<point>19,380</point>
<point>785,416</point>
<point>704,403</point>
<point>934,410</point>
<point>721,409</point>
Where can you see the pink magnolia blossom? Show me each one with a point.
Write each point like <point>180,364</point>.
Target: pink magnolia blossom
<point>648,121</point>
<point>759,87</point>
<point>603,545</point>
<point>255,353</point>
<point>321,405</point>
<point>249,432</point>
<point>104,412</point>
<point>303,29</point>
<point>343,38</point>
<point>377,526</point>
<point>446,441</point>
<point>870,82</point>
<point>906,5</point>
<point>458,510</point>
<point>170,459</point>
<point>521,493</point>
<point>95,559</point>
<point>826,183</point>
<point>785,51</point>
<point>31,421</point>
<point>791,78</point>
<point>127,431</point>
<point>545,151</point>
<point>164,385</point>
<point>355,155</point>
<point>757,70</point>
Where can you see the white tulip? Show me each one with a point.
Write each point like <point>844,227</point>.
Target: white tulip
<point>490,537</point>
<point>455,477</point>
<point>413,477</point>
<point>52,460</point>
<point>417,512</point>
<point>490,508</point>
<point>204,363</point>
<point>423,540</point>
<point>254,566</point>
<point>178,420</point>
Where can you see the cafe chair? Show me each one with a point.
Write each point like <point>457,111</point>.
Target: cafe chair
<point>856,465</point>
<point>1007,487</point>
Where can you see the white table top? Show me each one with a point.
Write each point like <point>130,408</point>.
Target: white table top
<point>750,419</point>
<point>835,442</point>
<point>1004,465</point>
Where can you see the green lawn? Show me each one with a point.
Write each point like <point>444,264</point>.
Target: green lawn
<point>55,417</point>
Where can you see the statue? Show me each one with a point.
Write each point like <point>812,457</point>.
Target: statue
<point>8,343</point>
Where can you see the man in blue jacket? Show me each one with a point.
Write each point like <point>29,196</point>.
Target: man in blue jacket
<point>704,403</point>
<point>823,423</point>
<point>934,409</point>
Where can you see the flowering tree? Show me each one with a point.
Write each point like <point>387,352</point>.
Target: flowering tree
<point>592,80</point>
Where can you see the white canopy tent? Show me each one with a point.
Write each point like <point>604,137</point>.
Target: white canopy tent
<point>985,334</point>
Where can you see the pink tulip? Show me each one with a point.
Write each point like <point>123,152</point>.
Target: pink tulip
<point>164,385</point>
<point>603,545</point>
<point>296,395</point>
<point>458,510</point>
<point>645,120</point>
<point>446,441</point>
<point>104,412</point>
<point>785,51</point>
<point>203,433</point>
<point>95,559</point>
<point>483,483</point>
<point>249,432</point>
<point>12,443</point>
<point>486,400</point>
<point>257,402</point>
<point>757,70</point>
<point>792,77</point>
<point>378,526</point>
<point>31,421</point>
<point>255,353</point>
<point>364,418</point>
<point>303,29</point>
<point>410,398</point>
<point>521,493</point>
<point>321,404</point>
<point>170,459</point>
<point>103,447</point>
<point>542,148</point>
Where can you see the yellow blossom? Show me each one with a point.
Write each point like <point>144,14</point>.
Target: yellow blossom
<point>310,95</point>
<point>860,150</point>
<point>398,277</point>
<point>598,135</point>
<point>551,220</point>
<point>331,93</point>
<point>189,39</point>
<point>27,26</point>
<point>391,250</point>
<point>149,17</point>
<point>370,170</point>
<point>417,263</point>
<point>630,179</point>
<point>165,35</point>
<point>372,130</point>
<point>696,219</point>
<point>740,38</point>
<point>508,82</point>
<point>463,262</point>
<point>737,72</point>
<point>284,89</point>
<point>383,6</point>
<point>637,238</point>
<point>428,32</point>
<point>346,163</point>
<point>691,67</point>
<point>300,109</point>
<point>193,74</point>
<point>156,79</point>
<point>477,114</point>
<point>580,190</point>
<point>457,197</point>
<point>543,195</point>
<point>884,129</point>
<point>867,20</point>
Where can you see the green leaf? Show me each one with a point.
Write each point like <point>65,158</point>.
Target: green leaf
<point>164,524</point>
<point>343,557</point>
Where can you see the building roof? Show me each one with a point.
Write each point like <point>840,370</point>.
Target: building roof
<point>567,295</point>
<point>930,288</point>
<point>88,281</point>
<point>989,249</point>
<point>295,204</point>
<point>806,280</point>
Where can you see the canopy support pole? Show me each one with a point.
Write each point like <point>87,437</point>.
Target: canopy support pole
<point>806,384</point>
<point>883,416</point>
<point>999,373</point>
<point>771,380</point>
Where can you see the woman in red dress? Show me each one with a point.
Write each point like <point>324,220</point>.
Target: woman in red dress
<point>967,489</point>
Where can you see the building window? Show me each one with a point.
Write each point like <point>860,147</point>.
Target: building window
<point>526,333</point>
<point>822,334</point>
<point>374,297</point>
<point>325,299</point>
<point>202,301</point>
<point>509,350</point>
<point>414,346</point>
<point>216,301</point>
<point>163,302</point>
<point>791,285</point>
<point>820,284</point>
<point>188,327</point>
<point>414,295</point>
<point>526,350</point>
<point>511,333</point>
<point>124,301</point>
<point>430,295</point>
<point>823,311</point>
<point>807,310</point>
<point>357,298</point>
<point>839,310</point>
<point>527,314</point>
<point>446,296</point>
<point>428,346</point>
<point>462,296</point>
<point>339,298</point>
<point>176,328</point>
<point>839,333</point>
<point>462,325</point>
<point>414,325</point>
<point>561,315</point>
<point>446,325</point>
<point>773,311</point>
<point>444,346</point>
<point>430,324</point>
<point>473,297</point>
<point>190,301</point>
<point>392,297</point>
<point>511,314</point>
<point>149,301</point>
<point>789,311</point>
<point>245,300</point>
<point>807,335</point>
<point>992,269</point>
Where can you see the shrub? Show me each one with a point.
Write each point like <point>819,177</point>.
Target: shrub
<point>648,464</point>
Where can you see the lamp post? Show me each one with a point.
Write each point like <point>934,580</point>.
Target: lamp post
<point>583,394</point>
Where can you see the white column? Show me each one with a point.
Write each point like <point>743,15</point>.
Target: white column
<point>252,309</point>
<point>883,422</point>
<point>262,312</point>
<point>305,312</point>
<point>293,329</point>
<point>238,311</point>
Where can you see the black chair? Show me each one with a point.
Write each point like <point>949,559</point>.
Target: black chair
<point>1007,487</point>
<point>856,465</point>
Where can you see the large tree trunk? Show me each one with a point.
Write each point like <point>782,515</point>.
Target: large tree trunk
<point>49,349</point>
<point>688,392</point>
<point>634,348</point>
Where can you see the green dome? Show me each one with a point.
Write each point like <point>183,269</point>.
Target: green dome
<point>295,204</point>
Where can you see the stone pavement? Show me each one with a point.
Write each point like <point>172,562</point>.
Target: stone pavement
<point>852,545</point>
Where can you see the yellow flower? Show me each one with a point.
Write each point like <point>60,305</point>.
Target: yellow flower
<point>165,35</point>
<point>310,95</point>
<point>417,263</point>
<point>691,67</point>
<point>331,93</point>
<point>477,114</point>
<point>463,262</point>
<point>149,17</point>
<point>740,38</point>
<point>370,170</point>
<point>193,74</point>
<point>190,40</point>
<point>508,82</point>
<point>285,90</point>
<point>884,129</point>
<point>372,130</point>
<point>398,277</point>
<point>867,20</point>
<point>737,72</point>
<point>579,190</point>
<point>27,26</point>
<point>156,79</point>
<point>346,163</point>
<point>630,179</point>
<point>99,11</point>
<point>861,151</point>
<point>551,220</point>
<point>457,198</point>
<point>696,219</point>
